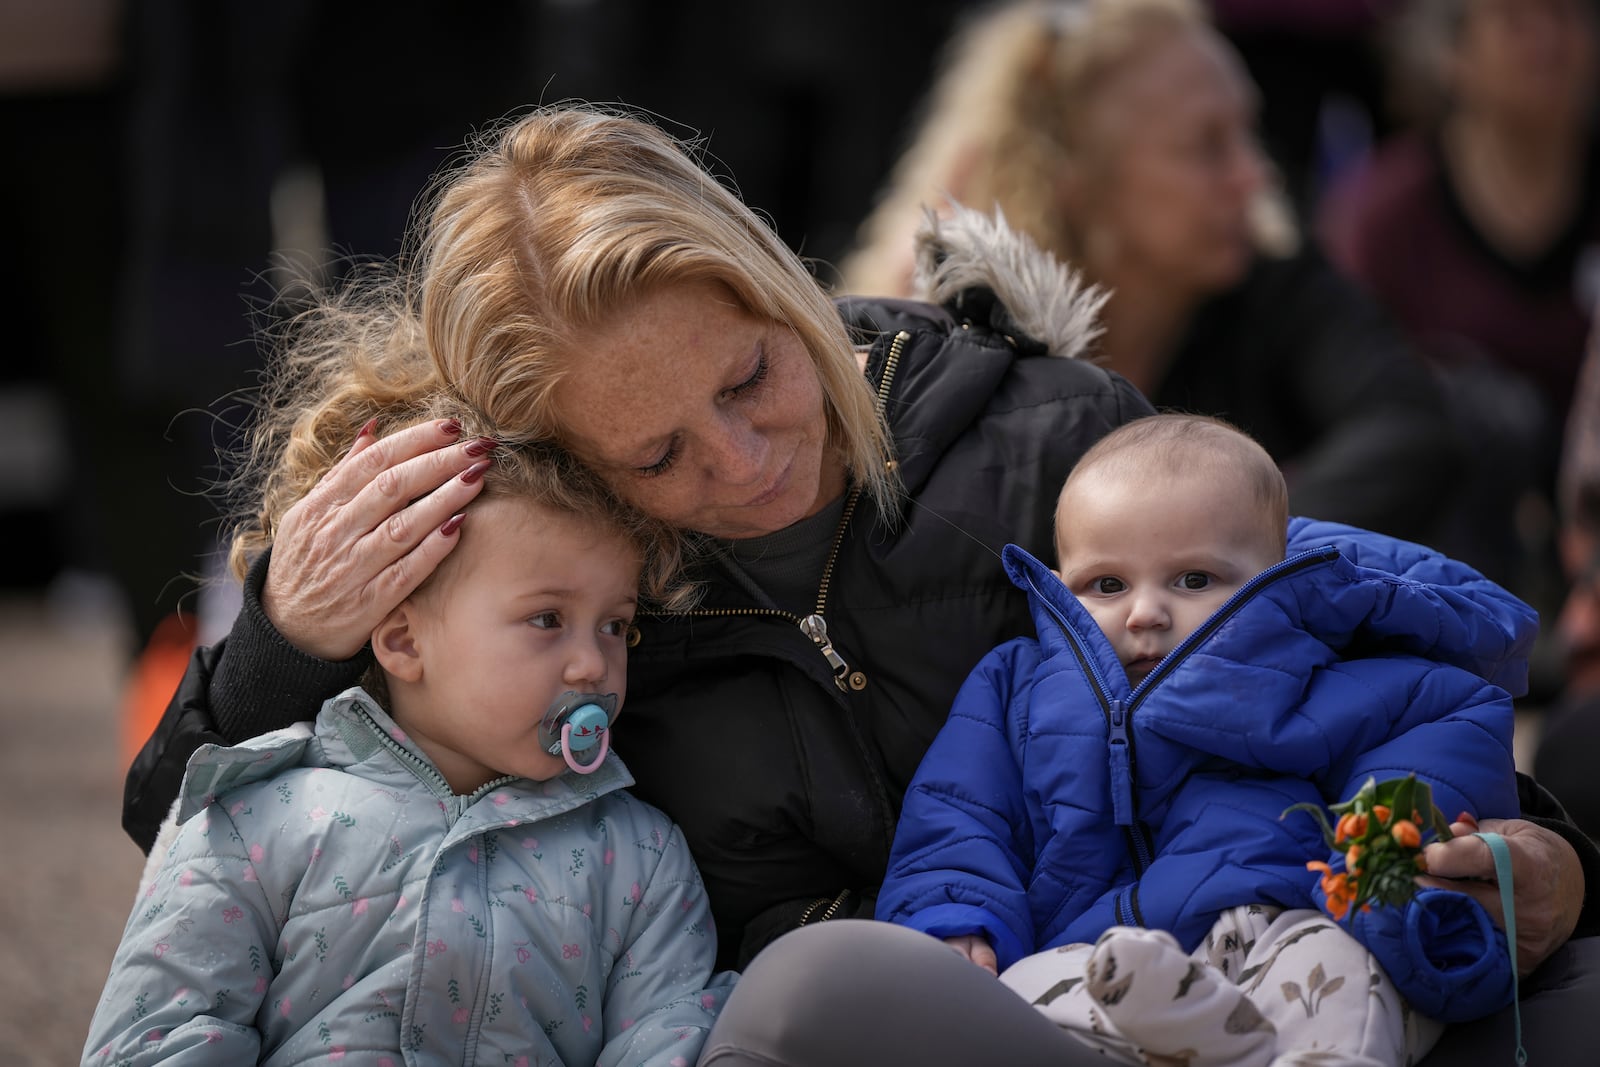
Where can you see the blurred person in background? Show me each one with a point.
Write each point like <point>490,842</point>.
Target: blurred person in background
<point>1479,230</point>
<point>1571,733</point>
<point>1121,137</point>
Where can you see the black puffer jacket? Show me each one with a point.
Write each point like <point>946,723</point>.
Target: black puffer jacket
<point>787,784</point>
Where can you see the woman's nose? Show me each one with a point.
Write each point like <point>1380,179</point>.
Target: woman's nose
<point>738,452</point>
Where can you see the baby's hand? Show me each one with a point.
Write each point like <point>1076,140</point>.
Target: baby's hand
<point>975,949</point>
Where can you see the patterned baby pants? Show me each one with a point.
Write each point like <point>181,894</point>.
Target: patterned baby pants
<point>1267,988</point>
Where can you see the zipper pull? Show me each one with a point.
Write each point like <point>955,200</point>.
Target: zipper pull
<point>1121,767</point>
<point>816,628</point>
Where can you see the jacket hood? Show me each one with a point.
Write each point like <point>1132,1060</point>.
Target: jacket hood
<point>990,297</point>
<point>979,267</point>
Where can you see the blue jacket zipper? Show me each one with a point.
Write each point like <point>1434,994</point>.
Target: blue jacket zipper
<point>1119,716</point>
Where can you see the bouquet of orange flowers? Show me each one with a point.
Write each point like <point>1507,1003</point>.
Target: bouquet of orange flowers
<point>1381,831</point>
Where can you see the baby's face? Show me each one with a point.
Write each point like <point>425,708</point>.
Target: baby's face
<point>1153,561</point>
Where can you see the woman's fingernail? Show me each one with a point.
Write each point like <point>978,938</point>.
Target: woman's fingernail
<point>452,524</point>
<point>450,427</point>
<point>482,446</point>
<point>474,472</point>
<point>366,431</point>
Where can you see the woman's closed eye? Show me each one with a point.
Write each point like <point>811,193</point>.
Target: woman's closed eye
<point>662,465</point>
<point>745,388</point>
<point>752,383</point>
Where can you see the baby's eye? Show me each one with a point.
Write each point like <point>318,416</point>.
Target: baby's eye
<point>545,620</point>
<point>1196,580</point>
<point>615,628</point>
<point>1107,586</point>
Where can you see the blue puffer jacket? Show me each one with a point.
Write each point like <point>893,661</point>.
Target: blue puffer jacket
<point>1057,802</point>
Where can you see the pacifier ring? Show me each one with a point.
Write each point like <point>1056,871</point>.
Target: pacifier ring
<point>594,764</point>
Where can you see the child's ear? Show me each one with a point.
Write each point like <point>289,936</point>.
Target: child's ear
<point>394,644</point>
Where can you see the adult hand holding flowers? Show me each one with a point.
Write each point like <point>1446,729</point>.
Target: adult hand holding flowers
<point>1439,946</point>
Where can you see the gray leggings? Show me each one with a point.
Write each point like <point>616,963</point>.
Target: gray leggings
<point>857,993</point>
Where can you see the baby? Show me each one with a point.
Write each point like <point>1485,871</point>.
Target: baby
<point>1099,820</point>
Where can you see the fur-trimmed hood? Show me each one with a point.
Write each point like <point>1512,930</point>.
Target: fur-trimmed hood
<point>978,267</point>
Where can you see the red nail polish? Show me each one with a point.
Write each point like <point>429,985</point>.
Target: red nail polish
<point>482,446</point>
<point>450,427</point>
<point>474,472</point>
<point>452,524</point>
<point>365,432</point>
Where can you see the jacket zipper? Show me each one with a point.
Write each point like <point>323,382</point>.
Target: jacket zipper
<point>815,625</point>
<point>1119,715</point>
<point>429,774</point>
<point>1304,561</point>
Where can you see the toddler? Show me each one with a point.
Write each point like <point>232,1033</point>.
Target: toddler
<point>445,866</point>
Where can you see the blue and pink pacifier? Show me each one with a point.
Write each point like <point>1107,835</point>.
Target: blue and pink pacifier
<point>577,722</point>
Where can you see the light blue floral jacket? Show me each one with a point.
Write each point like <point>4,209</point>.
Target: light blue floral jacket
<point>327,896</point>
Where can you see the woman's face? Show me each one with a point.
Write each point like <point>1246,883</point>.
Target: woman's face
<point>1172,167</point>
<point>1527,60</point>
<point>701,414</point>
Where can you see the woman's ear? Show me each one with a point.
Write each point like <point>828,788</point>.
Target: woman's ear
<point>394,644</point>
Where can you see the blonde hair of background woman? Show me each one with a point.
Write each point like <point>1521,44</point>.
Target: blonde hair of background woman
<point>1006,114</point>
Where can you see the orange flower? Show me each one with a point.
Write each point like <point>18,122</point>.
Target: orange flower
<point>1352,859</point>
<point>1381,812</point>
<point>1350,826</point>
<point>1340,895</point>
<point>1406,834</point>
<point>1336,885</point>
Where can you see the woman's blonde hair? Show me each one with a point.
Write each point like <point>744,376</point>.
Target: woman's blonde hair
<point>1006,115</point>
<point>568,216</point>
<point>556,222</point>
<point>361,357</point>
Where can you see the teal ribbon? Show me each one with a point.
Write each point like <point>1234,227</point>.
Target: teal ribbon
<point>1502,873</point>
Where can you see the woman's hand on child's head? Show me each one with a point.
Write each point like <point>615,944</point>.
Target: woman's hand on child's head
<point>975,949</point>
<point>1546,874</point>
<point>366,535</point>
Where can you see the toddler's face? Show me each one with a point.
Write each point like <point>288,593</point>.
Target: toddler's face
<point>540,603</point>
<point>1153,561</point>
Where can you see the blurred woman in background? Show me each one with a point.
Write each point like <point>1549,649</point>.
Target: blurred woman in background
<point>1121,137</point>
